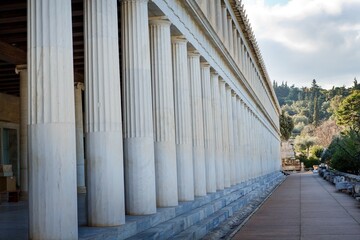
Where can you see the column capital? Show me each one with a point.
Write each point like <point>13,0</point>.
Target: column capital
<point>179,39</point>
<point>159,20</point>
<point>79,85</point>
<point>19,68</point>
<point>214,72</point>
<point>193,53</point>
<point>205,64</point>
<point>222,80</point>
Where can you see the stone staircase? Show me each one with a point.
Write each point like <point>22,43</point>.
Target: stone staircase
<point>189,220</point>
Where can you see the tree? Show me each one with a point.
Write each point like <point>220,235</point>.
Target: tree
<point>326,132</point>
<point>316,112</point>
<point>316,151</point>
<point>334,104</point>
<point>286,126</point>
<point>304,143</point>
<point>348,113</point>
<point>344,153</point>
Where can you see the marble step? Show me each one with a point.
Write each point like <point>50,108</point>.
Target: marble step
<point>175,219</point>
<point>198,222</point>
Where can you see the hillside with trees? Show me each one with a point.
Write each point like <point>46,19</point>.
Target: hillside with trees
<point>325,124</point>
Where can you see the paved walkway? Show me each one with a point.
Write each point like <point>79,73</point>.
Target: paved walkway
<point>305,207</point>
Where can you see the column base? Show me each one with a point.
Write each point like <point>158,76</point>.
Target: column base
<point>81,189</point>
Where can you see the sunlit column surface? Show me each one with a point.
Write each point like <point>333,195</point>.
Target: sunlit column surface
<point>137,106</point>
<point>183,132</point>
<point>163,111</point>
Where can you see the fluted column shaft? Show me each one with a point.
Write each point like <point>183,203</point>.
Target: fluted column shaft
<point>225,133</point>
<point>163,111</point>
<point>218,18</point>
<point>79,127</point>
<point>231,136</point>
<point>183,135</point>
<point>230,36</point>
<point>236,138</point>
<point>24,185</point>
<point>242,129</point>
<point>105,186</point>
<point>209,135</point>
<point>137,102</point>
<point>216,105</point>
<point>225,33</point>
<point>197,121</point>
<point>245,140</point>
<point>51,129</point>
<point>212,12</point>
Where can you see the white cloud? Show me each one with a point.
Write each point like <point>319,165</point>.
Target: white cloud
<point>306,39</point>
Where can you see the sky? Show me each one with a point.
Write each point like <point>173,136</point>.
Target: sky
<point>302,40</point>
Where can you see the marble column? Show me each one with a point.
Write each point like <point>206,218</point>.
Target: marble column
<point>241,127</point>
<point>218,18</point>
<point>225,34</point>
<point>209,135</point>
<point>183,134</point>
<point>212,12</point>
<point>231,135</point>
<point>24,186</point>
<point>79,128</point>
<point>137,104</point>
<point>51,129</point>
<point>236,138</point>
<point>230,36</point>
<point>225,133</point>
<point>163,111</point>
<point>246,139</point>
<point>104,155</point>
<point>216,105</point>
<point>197,120</point>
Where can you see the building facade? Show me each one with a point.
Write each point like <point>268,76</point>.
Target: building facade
<point>140,104</point>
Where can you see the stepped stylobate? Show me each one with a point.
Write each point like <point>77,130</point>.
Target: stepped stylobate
<point>172,101</point>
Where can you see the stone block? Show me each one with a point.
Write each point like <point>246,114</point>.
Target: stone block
<point>342,186</point>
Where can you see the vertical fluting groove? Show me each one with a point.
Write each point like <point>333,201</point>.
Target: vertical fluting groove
<point>230,36</point>
<point>197,120</point>
<point>106,205</point>
<point>216,104</point>
<point>196,100</point>
<point>182,93</point>
<point>236,138</point>
<point>231,135</point>
<point>163,110</point>
<point>138,127</point>
<point>51,125</point>
<point>225,133</point>
<point>209,136</point>
<point>136,69</point>
<point>183,134</point>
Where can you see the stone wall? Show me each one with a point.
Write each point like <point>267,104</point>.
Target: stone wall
<point>9,108</point>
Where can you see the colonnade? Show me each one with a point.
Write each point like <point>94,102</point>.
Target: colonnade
<point>173,130</point>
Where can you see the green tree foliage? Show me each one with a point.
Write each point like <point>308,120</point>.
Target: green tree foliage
<point>286,126</point>
<point>348,113</point>
<point>303,143</point>
<point>316,151</point>
<point>343,153</point>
